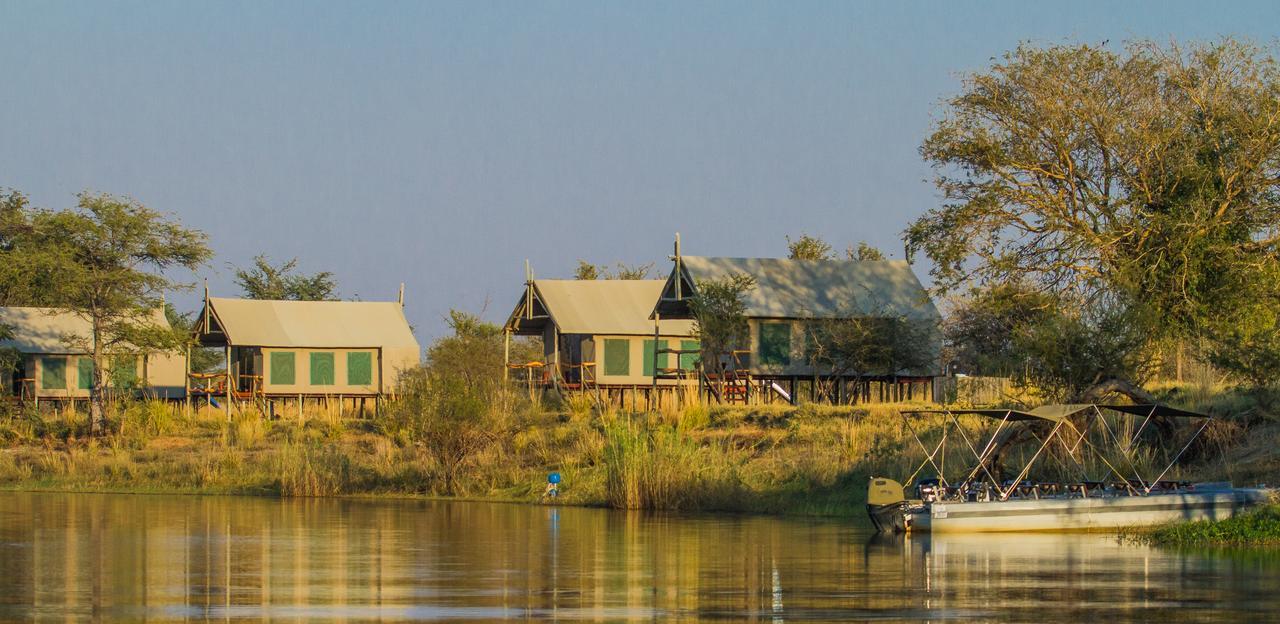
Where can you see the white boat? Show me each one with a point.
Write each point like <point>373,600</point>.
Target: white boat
<point>974,501</point>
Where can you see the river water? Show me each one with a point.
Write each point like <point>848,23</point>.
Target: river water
<point>114,556</point>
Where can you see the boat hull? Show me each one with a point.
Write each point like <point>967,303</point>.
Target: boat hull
<point>1083,514</point>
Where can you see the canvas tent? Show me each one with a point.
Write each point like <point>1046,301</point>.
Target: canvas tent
<point>309,348</point>
<point>789,294</point>
<point>598,332</point>
<point>54,349</point>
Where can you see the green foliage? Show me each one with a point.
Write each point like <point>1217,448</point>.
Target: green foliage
<point>720,318</point>
<point>588,271</point>
<point>265,280</point>
<point>864,252</point>
<point>1143,178</point>
<point>1063,350</point>
<point>105,260</point>
<point>881,343</point>
<point>983,332</point>
<point>809,248</point>
<point>1259,527</point>
<point>449,415</point>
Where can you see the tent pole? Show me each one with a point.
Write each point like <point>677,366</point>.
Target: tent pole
<point>227,407</point>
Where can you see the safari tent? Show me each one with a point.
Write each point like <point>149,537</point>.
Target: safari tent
<point>54,358</point>
<point>788,296</point>
<point>598,333</point>
<point>302,349</point>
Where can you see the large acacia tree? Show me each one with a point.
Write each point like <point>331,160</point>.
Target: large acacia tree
<point>1143,179</point>
<point>106,260</point>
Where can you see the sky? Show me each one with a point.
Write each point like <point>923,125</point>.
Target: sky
<point>444,144</point>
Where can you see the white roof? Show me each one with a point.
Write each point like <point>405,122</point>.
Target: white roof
<point>54,330</point>
<point>619,307</point>
<point>787,288</point>
<point>313,324</point>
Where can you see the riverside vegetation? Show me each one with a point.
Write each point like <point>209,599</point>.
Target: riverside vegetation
<point>809,459</point>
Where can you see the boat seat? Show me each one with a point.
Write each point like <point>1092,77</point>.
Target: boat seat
<point>1083,488</point>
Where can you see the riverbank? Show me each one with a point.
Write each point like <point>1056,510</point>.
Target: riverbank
<point>810,460</point>
<point>1252,529</point>
<point>807,460</point>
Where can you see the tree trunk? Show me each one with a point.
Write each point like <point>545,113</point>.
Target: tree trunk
<point>1098,391</point>
<point>97,419</point>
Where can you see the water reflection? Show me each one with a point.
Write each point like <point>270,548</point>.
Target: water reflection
<point>73,556</point>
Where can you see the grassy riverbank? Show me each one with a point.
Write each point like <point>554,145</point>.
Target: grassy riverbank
<point>807,460</point>
<point>811,460</point>
<point>1260,527</point>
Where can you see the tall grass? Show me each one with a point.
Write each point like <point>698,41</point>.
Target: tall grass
<point>662,468</point>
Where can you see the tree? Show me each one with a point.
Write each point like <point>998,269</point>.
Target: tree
<point>809,248</point>
<point>281,282</point>
<point>982,332</point>
<point>1142,179</point>
<point>1065,351</point>
<point>29,271</point>
<point>453,405</point>
<point>109,256</point>
<point>858,344</point>
<point>588,271</point>
<point>630,271</point>
<point>720,320</point>
<point>863,252</point>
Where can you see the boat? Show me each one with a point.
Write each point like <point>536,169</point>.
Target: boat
<point>1107,440</point>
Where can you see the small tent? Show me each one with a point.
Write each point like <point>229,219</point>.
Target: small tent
<point>598,332</point>
<point>54,358</point>
<point>310,348</point>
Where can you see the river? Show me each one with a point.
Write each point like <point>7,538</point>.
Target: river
<point>132,557</point>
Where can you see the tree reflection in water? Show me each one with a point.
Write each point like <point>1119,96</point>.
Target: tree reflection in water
<point>131,557</point>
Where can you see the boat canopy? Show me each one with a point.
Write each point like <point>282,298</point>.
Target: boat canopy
<point>1057,413</point>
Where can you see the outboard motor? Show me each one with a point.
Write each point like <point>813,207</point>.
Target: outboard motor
<point>886,504</point>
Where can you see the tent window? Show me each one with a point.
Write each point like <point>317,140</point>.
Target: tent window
<point>359,368</point>
<point>775,344</point>
<point>617,356</point>
<point>84,373</point>
<point>53,373</point>
<point>282,369</point>
<point>322,369</point>
<point>649,368</point>
<point>688,361</point>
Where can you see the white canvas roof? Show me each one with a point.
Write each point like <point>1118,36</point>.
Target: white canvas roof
<point>313,324</point>
<point>54,330</point>
<point>821,288</point>
<point>602,307</point>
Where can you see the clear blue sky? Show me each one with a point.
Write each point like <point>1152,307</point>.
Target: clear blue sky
<point>443,144</point>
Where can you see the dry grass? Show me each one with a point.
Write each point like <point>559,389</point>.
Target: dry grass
<point>810,459</point>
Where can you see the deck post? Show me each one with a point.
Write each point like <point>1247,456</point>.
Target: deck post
<point>555,353</point>
<point>227,407</point>
<point>186,382</point>
<point>506,352</point>
<point>653,393</point>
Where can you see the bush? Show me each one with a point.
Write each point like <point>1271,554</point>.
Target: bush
<point>450,419</point>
